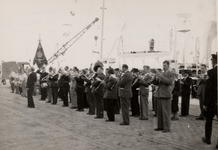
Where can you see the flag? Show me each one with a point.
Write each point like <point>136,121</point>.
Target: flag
<point>40,58</point>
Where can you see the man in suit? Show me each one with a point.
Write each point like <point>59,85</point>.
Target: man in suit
<point>30,86</point>
<point>42,79</point>
<point>186,83</point>
<point>210,101</point>
<point>98,91</point>
<point>165,82</point>
<point>125,93</point>
<point>110,94</point>
<point>201,90</point>
<point>135,93</point>
<point>144,93</point>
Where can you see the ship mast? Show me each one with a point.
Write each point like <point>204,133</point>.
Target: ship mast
<point>102,30</point>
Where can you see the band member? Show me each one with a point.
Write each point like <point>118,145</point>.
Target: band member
<point>73,97</point>
<point>144,93</point>
<point>117,103</point>
<point>65,86</point>
<point>210,101</point>
<point>79,91</point>
<point>30,86</point>
<point>54,86</point>
<point>49,88</point>
<point>201,90</point>
<point>186,83</point>
<point>110,95</point>
<point>135,93</point>
<point>125,93</point>
<point>23,83</point>
<point>43,76</point>
<point>165,82</point>
<point>98,91</point>
<point>88,91</point>
<point>175,100</point>
<point>12,78</point>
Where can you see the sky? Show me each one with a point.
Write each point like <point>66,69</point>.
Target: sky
<point>54,22</point>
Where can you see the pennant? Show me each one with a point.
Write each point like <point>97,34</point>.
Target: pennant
<point>40,59</point>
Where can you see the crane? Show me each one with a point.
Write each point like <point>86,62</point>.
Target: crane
<point>69,43</point>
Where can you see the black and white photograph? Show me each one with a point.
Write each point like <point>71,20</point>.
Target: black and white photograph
<point>108,75</point>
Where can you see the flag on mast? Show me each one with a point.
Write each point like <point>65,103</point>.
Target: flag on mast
<point>40,58</point>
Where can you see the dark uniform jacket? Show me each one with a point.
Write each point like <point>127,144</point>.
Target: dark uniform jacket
<point>125,85</point>
<point>98,88</point>
<point>211,88</point>
<point>135,86</point>
<point>79,84</point>
<point>111,88</point>
<point>186,87</point>
<point>54,80</point>
<point>31,80</point>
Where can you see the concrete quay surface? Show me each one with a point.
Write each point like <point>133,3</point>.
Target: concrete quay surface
<point>53,127</point>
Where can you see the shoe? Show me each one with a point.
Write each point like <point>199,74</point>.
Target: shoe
<point>217,146</point>
<point>64,106</point>
<point>109,120</point>
<point>81,110</point>
<point>174,119</point>
<point>73,107</point>
<point>98,117</point>
<point>206,140</point>
<point>136,116</point>
<point>143,118</point>
<point>165,131</point>
<point>87,113</point>
<point>124,124</point>
<point>155,115</point>
<point>48,102</point>
<point>91,113</point>
<point>158,129</point>
<point>53,104</point>
<point>200,118</point>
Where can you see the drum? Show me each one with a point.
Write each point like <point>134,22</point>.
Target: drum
<point>44,85</point>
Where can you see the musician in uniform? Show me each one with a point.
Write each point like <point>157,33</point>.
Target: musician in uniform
<point>201,90</point>
<point>210,101</point>
<point>65,86</point>
<point>135,93</point>
<point>54,86</point>
<point>186,83</point>
<point>12,78</point>
<point>43,76</point>
<point>79,91</point>
<point>125,93</point>
<point>98,91</point>
<point>165,82</point>
<point>73,97</point>
<point>30,87</point>
<point>88,91</point>
<point>144,93</point>
<point>49,88</point>
<point>110,95</point>
<point>117,103</point>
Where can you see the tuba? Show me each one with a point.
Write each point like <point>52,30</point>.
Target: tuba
<point>97,65</point>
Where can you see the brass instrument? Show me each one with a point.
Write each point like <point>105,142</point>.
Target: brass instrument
<point>107,77</point>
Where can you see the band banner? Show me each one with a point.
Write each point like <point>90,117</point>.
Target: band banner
<point>40,58</point>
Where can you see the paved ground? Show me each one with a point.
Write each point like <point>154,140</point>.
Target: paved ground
<point>52,127</point>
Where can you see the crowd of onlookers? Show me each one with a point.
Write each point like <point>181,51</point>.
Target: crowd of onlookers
<point>114,90</point>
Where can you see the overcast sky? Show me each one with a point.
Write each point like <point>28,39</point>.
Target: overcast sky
<point>23,22</point>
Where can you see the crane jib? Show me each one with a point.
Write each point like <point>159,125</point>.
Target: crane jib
<point>65,47</point>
